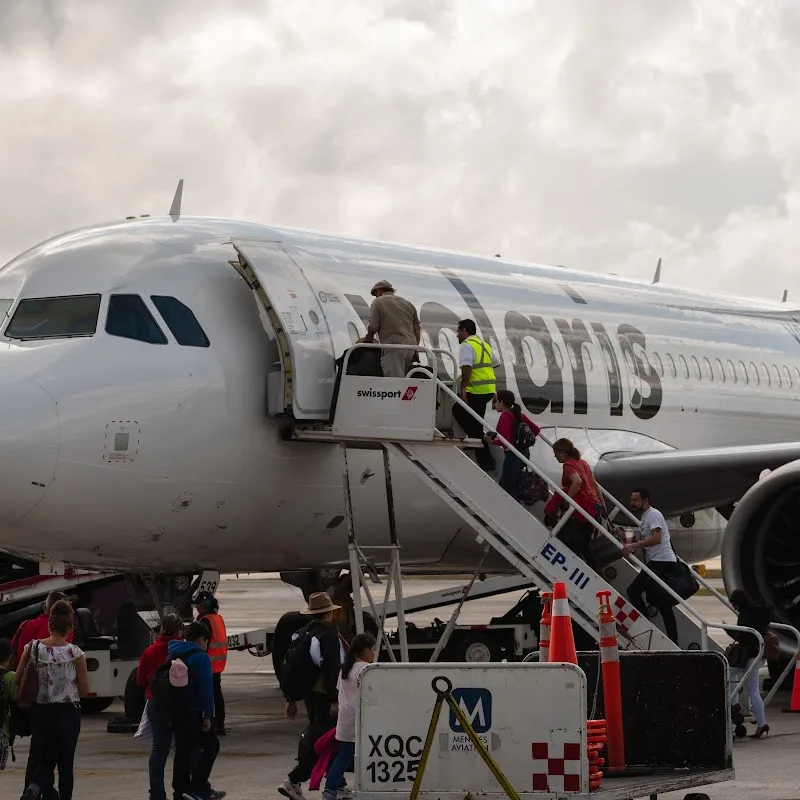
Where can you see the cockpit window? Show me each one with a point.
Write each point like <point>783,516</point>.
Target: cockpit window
<point>55,317</point>
<point>129,318</point>
<point>181,321</point>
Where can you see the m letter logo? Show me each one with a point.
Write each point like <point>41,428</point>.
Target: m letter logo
<point>410,392</point>
<point>477,707</point>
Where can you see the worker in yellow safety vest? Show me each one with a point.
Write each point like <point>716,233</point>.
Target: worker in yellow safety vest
<point>208,613</point>
<point>478,385</point>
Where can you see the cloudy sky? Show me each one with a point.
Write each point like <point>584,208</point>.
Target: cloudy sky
<point>599,136</point>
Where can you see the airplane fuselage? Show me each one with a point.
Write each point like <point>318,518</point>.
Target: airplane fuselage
<point>123,453</point>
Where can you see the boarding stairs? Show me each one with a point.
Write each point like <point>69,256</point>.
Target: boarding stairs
<point>296,293</point>
<point>398,415</point>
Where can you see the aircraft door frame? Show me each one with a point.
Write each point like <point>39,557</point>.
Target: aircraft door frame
<point>293,308</point>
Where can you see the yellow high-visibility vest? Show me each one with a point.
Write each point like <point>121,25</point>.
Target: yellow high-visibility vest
<point>482,379</point>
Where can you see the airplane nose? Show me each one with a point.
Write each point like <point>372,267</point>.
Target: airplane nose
<point>28,445</point>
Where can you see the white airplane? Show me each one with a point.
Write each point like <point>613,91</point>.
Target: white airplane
<point>143,412</point>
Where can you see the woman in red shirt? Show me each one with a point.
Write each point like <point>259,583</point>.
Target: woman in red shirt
<point>577,481</point>
<point>508,425</point>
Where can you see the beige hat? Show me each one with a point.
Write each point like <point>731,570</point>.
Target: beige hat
<point>381,285</point>
<point>320,603</point>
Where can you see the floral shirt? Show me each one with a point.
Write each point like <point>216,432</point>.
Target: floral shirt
<point>58,681</point>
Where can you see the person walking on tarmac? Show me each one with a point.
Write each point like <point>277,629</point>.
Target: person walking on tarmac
<point>310,671</point>
<point>394,320</point>
<point>30,630</point>
<point>36,628</point>
<point>208,613</point>
<point>757,616</point>
<point>477,365</point>
<point>151,659</point>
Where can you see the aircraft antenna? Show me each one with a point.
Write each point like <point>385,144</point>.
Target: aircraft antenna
<point>785,295</point>
<point>657,276</point>
<point>175,208</point>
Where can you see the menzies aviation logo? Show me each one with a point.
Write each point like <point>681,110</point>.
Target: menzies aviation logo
<point>477,707</point>
<point>385,395</point>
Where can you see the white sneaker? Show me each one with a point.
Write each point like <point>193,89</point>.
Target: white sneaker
<point>291,790</point>
<point>345,793</point>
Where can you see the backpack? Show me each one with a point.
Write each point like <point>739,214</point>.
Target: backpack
<point>169,699</point>
<point>525,436</point>
<point>15,643</point>
<point>18,720</point>
<point>772,646</point>
<point>298,673</point>
<point>532,488</point>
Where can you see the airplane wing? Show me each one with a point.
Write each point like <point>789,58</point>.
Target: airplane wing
<point>689,480</point>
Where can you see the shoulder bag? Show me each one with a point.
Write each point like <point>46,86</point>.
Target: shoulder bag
<point>29,686</point>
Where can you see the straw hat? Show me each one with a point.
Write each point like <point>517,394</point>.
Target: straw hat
<point>320,603</point>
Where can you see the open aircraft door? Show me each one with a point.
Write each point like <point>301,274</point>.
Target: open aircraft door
<point>303,306</point>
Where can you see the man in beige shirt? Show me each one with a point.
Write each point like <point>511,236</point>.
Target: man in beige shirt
<point>395,321</point>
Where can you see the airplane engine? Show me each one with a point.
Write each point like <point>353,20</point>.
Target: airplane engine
<point>761,547</point>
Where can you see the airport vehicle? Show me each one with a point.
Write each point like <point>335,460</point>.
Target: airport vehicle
<point>153,400</point>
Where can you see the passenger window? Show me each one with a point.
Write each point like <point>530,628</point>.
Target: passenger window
<point>776,376</point>
<point>765,374</point>
<point>720,370</point>
<point>573,358</point>
<point>558,357</point>
<point>55,317</point>
<point>659,364</point>
<point>787,376</point>
<point>129,318</point>
<point>181,321</point>
<point>586,355</point>
<point>707,367</point>
<point>743,372</point>
<point>671,362</point>
<point>754,374</point>
<point>526,348</point>
<point>696,368</point>
<point>684,366</point>
<point>797,377</point>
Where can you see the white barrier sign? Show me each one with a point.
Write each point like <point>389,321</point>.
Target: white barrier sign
<point>531,717</point>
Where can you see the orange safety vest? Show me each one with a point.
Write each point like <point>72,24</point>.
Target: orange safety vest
<point>218,646</point>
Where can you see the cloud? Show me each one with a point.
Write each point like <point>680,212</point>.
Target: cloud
<point>549,132</point>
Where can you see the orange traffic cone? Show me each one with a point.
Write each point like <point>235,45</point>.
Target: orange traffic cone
<point>794,706</point>
<point>562,643</point>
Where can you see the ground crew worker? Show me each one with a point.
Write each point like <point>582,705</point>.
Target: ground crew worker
<point>477,363</point>
<point>208,613</point>
<point>394,319</point>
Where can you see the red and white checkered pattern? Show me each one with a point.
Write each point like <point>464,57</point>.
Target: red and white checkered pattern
<point>624,613</point>
<point>562,774</point>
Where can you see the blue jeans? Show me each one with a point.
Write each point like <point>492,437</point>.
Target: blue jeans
<point>162,741</point>
<point>512,468</point>
<point>338,767</point>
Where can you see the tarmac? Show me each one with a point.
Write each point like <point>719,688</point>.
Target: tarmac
<point>261,745</point>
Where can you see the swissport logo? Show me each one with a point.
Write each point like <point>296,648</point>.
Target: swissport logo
<point>373,394</point>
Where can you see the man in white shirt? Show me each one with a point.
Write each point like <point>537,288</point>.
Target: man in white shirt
<point>653,546</point>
